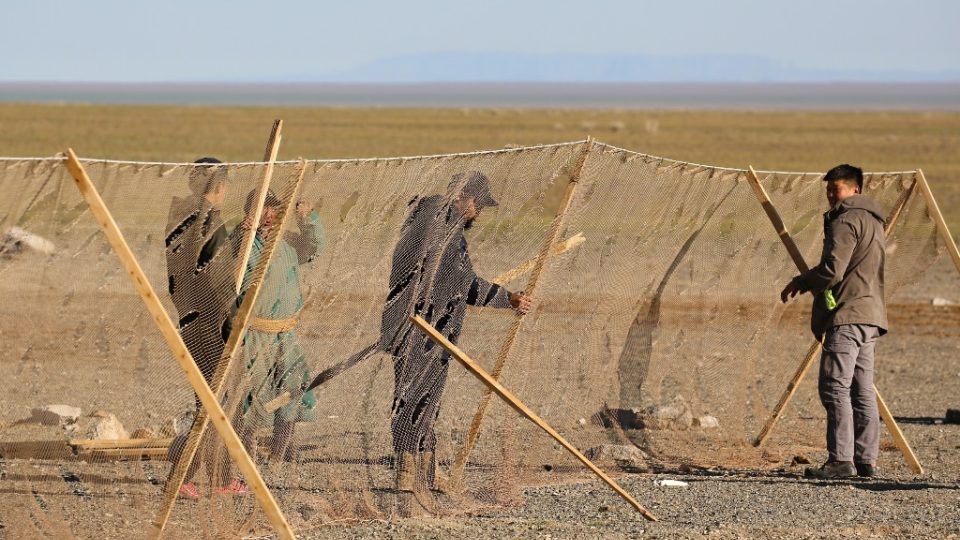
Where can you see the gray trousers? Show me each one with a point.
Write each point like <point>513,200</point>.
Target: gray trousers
<point>847,393</point>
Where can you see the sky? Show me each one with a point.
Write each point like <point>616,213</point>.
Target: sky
<point>242,40</point>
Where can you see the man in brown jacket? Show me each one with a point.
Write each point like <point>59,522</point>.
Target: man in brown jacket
<point>848,316</point>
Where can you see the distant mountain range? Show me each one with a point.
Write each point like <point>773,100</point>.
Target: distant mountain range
<point>601,68</point>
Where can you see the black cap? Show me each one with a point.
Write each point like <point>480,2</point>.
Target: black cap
<point>206,174</point>
<point>270,200</point>
<point>474,184</point>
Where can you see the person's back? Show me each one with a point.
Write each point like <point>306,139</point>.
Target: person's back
<point>201,266</point>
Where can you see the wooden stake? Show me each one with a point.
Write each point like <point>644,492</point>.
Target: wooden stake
<point>495,387</point>
<point>558,249</point>
<point>270,156</point>
<point>96,444</point>
<point>224,366</point>
<point>456,476</point>
<point>177,346</point>
<point>898,437</point>
<point>812,354</point>
<point>777,222</point>
<point>937,218</point>
<point>774,216</point>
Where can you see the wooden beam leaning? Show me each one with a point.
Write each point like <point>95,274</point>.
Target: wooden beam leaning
<point>270,156</point>
<point>891,424</point>
<point>514,402</point>
<point>177,346</point>
<point>460,463</point>
<point>558,249</point>
<point>937,218</point>
<point>792,386</point>
<point>239,328</point>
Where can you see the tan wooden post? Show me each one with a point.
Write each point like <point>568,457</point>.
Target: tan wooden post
<point>269,156</point>
<point>514,402</point>
<point>888,419</point>
<point>937,218</point>
<point>177,346</point>
<point>240,322</point>
<point>456,476</point>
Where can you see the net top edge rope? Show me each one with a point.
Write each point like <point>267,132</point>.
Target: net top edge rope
<point>318,162</point>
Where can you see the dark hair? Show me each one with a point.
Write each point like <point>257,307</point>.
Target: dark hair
<point>847,173</point>
<point>270,199</point>
<point>206,175</point>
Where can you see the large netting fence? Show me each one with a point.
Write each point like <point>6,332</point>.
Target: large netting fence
<point>661,330</point>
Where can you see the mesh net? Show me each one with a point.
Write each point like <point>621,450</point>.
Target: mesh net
<point>666,313</point>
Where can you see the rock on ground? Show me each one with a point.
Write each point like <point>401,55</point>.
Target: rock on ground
<point>55,415</point>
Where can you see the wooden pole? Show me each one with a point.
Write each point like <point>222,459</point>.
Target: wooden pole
<point>898,437</point>
<point>513,401</point>
<point>456,476</point>
<point>270,156</point>
<point>774,216</point>
<point>177,346</point>
<point>937,218</point>
<point>523,268</point>
<point>238,330</point>
<point>777,222</point>
<point>792,386</point>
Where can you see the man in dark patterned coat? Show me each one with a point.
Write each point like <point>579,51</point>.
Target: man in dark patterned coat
<point>432,276</point>
<point>201,269</point>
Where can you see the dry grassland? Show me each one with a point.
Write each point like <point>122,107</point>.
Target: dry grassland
<point>800,141</point>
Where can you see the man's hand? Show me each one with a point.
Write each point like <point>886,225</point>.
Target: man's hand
<point>789,292</point>
<point>247,223</point>
<point>521,302</point>
<point>304,208</point>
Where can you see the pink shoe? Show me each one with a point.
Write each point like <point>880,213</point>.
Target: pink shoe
<point>235,487</point>
<point>189,491</point>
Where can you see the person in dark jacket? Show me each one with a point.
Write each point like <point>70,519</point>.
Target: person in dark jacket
<point>432,276</point>
<point>201,270</point>
<point>848,315</point>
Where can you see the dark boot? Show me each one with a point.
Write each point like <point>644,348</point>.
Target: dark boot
<point>866,470</point>
<point>406,471</point>
<point>832,470</point>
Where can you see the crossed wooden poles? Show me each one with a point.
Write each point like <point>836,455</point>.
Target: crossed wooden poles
<point>209,398</point>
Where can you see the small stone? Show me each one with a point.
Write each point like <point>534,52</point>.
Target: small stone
<point>105,425</point>
<point>942,302</point>
<point>142,433</point>
<point>706,422</point>
<point>16,239</point>
<point>800,459</point>
<point>55,415</point>
<point>623,455</point>
<point>675,415</point>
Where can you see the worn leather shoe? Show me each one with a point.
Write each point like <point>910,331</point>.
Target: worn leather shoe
<point>831,470</point>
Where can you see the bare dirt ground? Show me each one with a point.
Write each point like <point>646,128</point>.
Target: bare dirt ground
<point>918,373</point>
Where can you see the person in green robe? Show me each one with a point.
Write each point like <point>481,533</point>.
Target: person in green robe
<point>273,358</point>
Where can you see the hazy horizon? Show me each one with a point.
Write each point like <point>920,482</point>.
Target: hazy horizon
<point>734,96</point>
